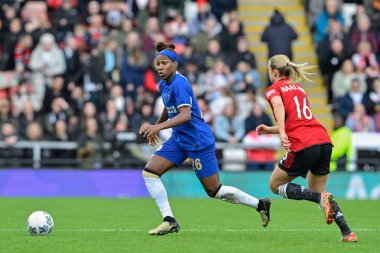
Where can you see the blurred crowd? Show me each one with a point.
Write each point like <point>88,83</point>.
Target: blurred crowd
<point>83,71</point>
<point>347,38</point>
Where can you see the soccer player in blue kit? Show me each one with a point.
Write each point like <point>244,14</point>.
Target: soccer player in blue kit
<point>192,138</point>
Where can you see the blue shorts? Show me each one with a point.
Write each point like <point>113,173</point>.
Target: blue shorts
<point>203,161</point>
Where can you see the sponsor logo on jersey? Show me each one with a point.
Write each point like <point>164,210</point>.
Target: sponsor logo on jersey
<point>269,93</point>
<point>171,109</point>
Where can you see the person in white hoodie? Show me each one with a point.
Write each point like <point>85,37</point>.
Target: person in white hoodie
<point>47,60</point>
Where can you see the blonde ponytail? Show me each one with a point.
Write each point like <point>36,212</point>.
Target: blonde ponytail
<point>296,73</point>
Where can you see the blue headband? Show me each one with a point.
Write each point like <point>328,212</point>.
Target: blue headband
<point>172,55</point>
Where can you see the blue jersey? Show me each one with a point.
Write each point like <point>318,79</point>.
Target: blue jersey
<point>192,135</point>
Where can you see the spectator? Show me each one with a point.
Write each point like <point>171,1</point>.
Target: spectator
<point>149,33</point>
<point>341,83</point>
<point>97,32</point>
<point>331,12</point>
<point>116,94</point>
<point>193,74</point>
<point>5,112</point>
<point>333,61</point>
<point>72,54</point>
<point>47,60</point>
<point>57,90</point>
<point>109,118</point>
<point>335,32</point>
<point>372,7</point>
<point>244,78</point>
<point>212,55</point>
<point>210,30</point>
<point>256,117</point>
<point>228,127</point>
<point>208,116</point>
<point>65,17</point>
<point>375,99</point>
<point>189,54</point>
<point>363,33</point>
<point>360,11</point>
<point>26,117</point>
<point>133,64</point>
<point>34,132</point>
<point>21,94</point>
<point>151,9</point>
<point>61,135</point>
<point>230,36</point>
<point>219,7</point>
<point>279,44</point>
<point>217,78</point>
<point>10,41</point>
<point>121,34</point>
<point>90,76</point>
<point>90,146</point>
<point>359,121</point>
<point>22,52</point>
<point>43,26</point>
<point>89,112</point>
<point>77,100</point>
<point>242,54</point>
<point>60,110</point>
<point>354,97</point>
<point>365,61</point>
<point>109,58</point>
<point>145,116</point>
<point>8,135</point>
<point>342,152</point>
<point>199,21</point>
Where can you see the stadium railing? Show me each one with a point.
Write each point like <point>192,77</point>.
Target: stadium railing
<point>135,155</point>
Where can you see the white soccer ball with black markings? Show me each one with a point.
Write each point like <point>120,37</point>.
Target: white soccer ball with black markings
<point>40,223</point>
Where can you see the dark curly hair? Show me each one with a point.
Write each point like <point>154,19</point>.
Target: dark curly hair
<point>162,45</point>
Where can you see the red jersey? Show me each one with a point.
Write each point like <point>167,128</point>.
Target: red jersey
<point>302,128</point>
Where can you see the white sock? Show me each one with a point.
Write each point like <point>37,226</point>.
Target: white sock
<point>236,196</point>
<point>282,190</point>
<point>158,192</point>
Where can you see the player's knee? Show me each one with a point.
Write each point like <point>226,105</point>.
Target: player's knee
<point>148,173</point>
<point>274,187</point>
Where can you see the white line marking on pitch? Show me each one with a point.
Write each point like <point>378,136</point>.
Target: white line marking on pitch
<point>198,230</point>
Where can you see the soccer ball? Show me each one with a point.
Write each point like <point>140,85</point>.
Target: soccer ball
<point>40,223</point>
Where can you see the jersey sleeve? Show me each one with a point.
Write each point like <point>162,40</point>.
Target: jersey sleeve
<point>183,95</point>
<point>271,92</point>
<point>160,86</point>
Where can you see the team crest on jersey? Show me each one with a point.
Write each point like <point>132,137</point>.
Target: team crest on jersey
<point>167,98</point>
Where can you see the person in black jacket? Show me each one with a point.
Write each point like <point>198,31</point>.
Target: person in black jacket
<point>279,36</point>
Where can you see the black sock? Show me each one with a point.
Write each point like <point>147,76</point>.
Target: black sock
<point>340,220</point>
<point>169,219</point>
<point>298,192</point>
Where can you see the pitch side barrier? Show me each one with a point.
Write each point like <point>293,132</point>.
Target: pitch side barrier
<point>180,184</point>
<point>127,153</point>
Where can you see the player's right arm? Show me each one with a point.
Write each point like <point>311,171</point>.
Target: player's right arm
<point>264,129</point>
<point>279,113</point>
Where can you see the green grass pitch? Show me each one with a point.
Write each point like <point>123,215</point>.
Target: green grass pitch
<point>207,225</point>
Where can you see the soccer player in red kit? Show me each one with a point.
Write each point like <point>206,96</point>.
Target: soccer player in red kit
<point>307,142</point>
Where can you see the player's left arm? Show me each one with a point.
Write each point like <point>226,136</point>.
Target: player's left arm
<point>279,113</point>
